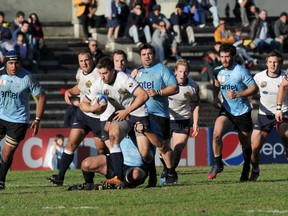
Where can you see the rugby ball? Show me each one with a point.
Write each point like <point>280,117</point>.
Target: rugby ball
<point>101,99</point>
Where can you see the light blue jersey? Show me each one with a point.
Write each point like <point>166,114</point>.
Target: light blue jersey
<point>156,77</point>
<point>236,79</point>
<point>130,153</point>
<point>15,95</point>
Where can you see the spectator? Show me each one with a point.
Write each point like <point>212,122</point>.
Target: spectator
<point>137,25</point>
<point>222,34</point>
<point>164,42</point>
<point>245,9</point>
<point>155,17</point>
<point>95,51</point>
<point>116,17</point>
<point>29,39</point>
<point>24,50</point>
<point>181,23</point>
<point>85,12</point>
<point>2,20</point>
<point>5,39</point>
<point>262,33</point>
<point>207,8</point>
<point>239,40</point>
<point>20,17</point>
<point>210,61</point>
<point>281,31</point>
<point>36,30</point>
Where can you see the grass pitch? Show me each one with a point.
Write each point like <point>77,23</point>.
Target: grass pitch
<point>28,193</point>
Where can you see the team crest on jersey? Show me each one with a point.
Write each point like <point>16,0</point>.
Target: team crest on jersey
<point>187,95</point>
<point>88,83</point>
<point>221,78</point>
<point>131,84</point>
<point>2,82</point>
<point>121,91</point>
<point>106,92</point>
<point>263,84</point>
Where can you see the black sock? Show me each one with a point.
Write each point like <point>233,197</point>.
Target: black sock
<point>247,156</point>
<point>151,168</point>
<point>65,162</point>
<point>4,167</point>
<point>218,161</point>
<point>171,171</point>
<point>88,176</point>
<point>163,162</point>
<point>117,161</point>
<point>176,161</point>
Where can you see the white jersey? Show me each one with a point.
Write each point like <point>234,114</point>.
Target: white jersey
<point>268,89</point>
<point>119,93</point>
<point>84,82</point>
<point>181,104</point>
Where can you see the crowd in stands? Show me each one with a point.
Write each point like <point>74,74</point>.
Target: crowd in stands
<point>142,25</point>
<point>23,35</point>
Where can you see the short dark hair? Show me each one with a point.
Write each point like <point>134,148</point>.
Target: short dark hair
<point>20,13</point>
<point>59,136</point>
<point>147,46</point>
<point>86,51</point>
<point>277,54</point>
<point>119,52</point>
<point>228,48</point>
<point>2,14</point>
<point>283,14</point>
<point>106,62</point>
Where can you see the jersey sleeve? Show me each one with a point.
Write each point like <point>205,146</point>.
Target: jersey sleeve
<point>168,77</point>
<point>248,78</point>
<point>34,86</point>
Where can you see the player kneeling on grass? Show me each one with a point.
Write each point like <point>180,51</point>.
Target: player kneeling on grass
<point>134,171</point>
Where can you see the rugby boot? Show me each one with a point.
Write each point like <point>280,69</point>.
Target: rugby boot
<point>54,179</point>
<point>171,179</point>
<point>254,176</point>
<point>2,185</point>
<point>113,183</point>
<point>214,171</point>
<point>163,176</point>
<point>245,173</point>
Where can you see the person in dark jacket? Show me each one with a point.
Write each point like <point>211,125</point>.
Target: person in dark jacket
<point>262,33</point>
<point>281,31</point>
<point>137,25</point>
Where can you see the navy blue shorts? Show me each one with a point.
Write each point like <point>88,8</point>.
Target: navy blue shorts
<point>160,126</point>
<point>17,131</point>
<point>241,123</point>
<point>87,123</point>
<point>265,122</point>
<point>180,126</point>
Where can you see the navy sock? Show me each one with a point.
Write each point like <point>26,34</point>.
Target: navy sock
<point>4,167</point>
<point>117,161</point>
<point>247,156</point>
<point>218,161</point>
<point>88,177</point>
<point>66,160</point>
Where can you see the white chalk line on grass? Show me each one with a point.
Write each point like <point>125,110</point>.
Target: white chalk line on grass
<point>274,211</point>
<point>73,207</point>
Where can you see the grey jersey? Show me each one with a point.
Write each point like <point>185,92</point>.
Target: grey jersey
<point>268,89</point>
<point>84,83</point>
<point>119,93</point>
<point>181,104</point>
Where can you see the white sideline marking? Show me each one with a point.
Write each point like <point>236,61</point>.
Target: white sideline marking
<point>63,207</point>
<point>275,211</point>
